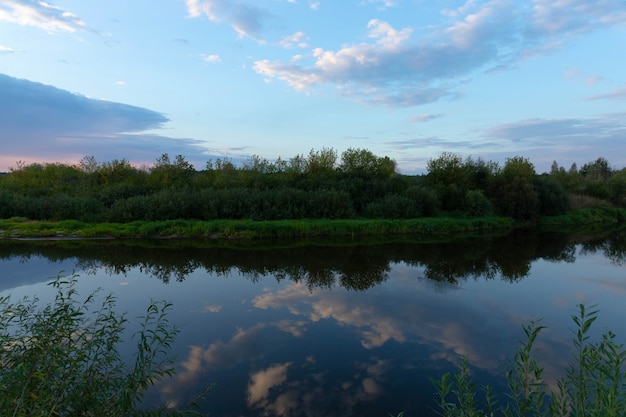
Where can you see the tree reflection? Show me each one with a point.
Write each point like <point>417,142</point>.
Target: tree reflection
<point>354,266</point>
<point>611,246</point>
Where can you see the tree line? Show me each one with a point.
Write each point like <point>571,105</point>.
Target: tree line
<point>322,184</point>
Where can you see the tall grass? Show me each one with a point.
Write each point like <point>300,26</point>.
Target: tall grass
<point>593,385</point>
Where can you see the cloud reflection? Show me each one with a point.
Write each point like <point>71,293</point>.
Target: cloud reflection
<point>262,381</point>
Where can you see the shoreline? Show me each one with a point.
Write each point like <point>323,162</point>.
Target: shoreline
<point>67,230</point>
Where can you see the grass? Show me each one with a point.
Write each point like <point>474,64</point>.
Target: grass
<point>247,229</point>
<point>587,217</point>
<point>18,227</point>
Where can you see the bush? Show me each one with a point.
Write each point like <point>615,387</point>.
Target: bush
<point>63,359</point>
<point>553,198</point>
<point>476,204</point>
<point>515,198</point>
<point>425,201</point>
<point>392,206</point>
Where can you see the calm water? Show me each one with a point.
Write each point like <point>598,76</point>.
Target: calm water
<point>342,328</point>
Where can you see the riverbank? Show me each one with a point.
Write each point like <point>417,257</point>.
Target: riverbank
<point>21,228</point>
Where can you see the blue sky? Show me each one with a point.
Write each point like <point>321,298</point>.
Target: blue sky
<point>408,79</point>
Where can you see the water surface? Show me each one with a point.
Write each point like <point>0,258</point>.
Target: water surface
<point>341,328</point>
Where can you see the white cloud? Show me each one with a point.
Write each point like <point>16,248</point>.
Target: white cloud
<point>246,19</point>
<point>398,68</point>
<point>6,50</point>
<point>212,58</point>
<point>40,14</point>
<point>296,40</point>
<point>387,37</point>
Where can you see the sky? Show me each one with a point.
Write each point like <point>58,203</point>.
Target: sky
<point>407,79</point>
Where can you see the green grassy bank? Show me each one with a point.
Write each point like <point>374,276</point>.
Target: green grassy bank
<point>250,229</point>
<point>246,229</point>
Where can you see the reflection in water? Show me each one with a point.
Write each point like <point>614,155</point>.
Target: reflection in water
<point>342,328</point>
<point>350,265</point>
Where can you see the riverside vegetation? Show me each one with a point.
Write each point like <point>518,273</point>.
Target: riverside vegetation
<point>63,359</point>
<point>594,384</point>
<point>316,194</point>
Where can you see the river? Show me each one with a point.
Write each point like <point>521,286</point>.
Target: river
<point>342,327</point>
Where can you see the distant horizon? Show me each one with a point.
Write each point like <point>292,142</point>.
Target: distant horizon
<point>239,163</point>
<point>206,79</point>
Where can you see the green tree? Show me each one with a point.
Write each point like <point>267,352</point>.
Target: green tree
<point>322,161</point>
<point>513,190</point>
<point>600,169</point>
<point>363,161</point>
<point>518,167</point>
<point>166,173</point>
<point>553,198</point>
<point>447,169</point>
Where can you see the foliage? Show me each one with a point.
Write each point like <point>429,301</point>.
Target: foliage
<point>363,161</point>
<point>515,198</point>
<point>553,198</point>
<point>476,204</point>
<point>64,359</point>
<point>594,384</point>
<point>313,186</point>
<point>597,170</point>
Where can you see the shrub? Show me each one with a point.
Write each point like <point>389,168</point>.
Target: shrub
<point>63,359</point>
<point>553,198</point>
<point>425,200</point>
<point>476,204</point>
<point>392,206</point>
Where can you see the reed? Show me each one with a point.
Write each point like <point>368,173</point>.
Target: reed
<point>593,385</point>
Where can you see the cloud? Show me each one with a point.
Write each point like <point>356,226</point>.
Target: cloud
<point>295,40</point>
<point>407,324</point>
<point>617,94</point>
<point>40,14</point>
<point>262,381</point>
<point>397,68</point>
<point>246,19</point>
<point>6,50</point>
<point>576,132</point>
<point>421,118</point>
<point>212,309</point>
<point>211,58</point>
<point>568,140</point>
<point>575,16</point>
<point>384,3</point>
<point>575,74</point>
<point>44,123</point>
